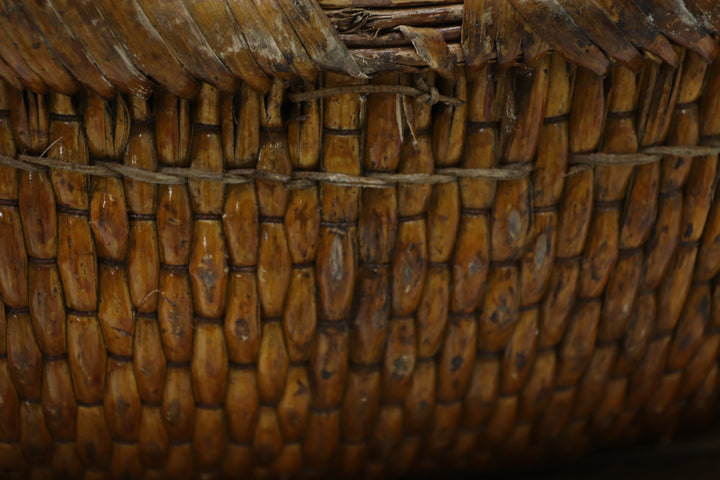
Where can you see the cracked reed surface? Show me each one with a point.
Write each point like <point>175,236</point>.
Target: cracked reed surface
<point>207,271</point>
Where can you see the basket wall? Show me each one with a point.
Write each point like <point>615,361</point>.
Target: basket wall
<point>358,284</point>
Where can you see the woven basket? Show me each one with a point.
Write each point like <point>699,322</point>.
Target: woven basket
<point>268,238</point>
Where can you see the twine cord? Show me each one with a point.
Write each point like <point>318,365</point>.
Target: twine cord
<point>648,155</point>
<point>298,179</point>
<point>303,179</point>
<point>609,159</point>
<point>426,94</point>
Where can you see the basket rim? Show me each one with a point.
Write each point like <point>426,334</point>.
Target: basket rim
<point>92,45</point>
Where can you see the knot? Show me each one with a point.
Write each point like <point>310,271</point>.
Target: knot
<point>429,97</point>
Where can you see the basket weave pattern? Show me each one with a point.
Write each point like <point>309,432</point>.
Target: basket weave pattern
<point>243,283</point>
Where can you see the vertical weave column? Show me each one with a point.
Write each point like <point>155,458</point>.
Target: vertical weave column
<point>241,139</point>
<point>692,343</point>
<point>501,317</point>
<point>579,358</point>
<point>645,182</point>
<point>168,411</point>
<point>344,119</point>
<point>411,329</point>
<point>574,213</point>
<point>38,333</point>
<point>450,343</point>
<point>274,270</point>
<point>376,237</point>
<point>602,388</point>
<point>78,270</point>
<point>208,277</point>
<point>12,253</point>
<point>661,249</point>
<point>700,376</point>
<point>674,264</point>
<point>299,319</point>
<point>675,291</point>
<point>400,265</point>
<point>575,330</point>
<point>708,264</point>
<point>585,132</point>
<point>107,126</point>
<point>300,315</point>
<point>129,281</point>
<point>406,379</point>
<point>471,251</point>
<point>521,353</point>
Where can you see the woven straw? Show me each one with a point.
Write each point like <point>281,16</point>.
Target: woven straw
<point>268,238</point>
